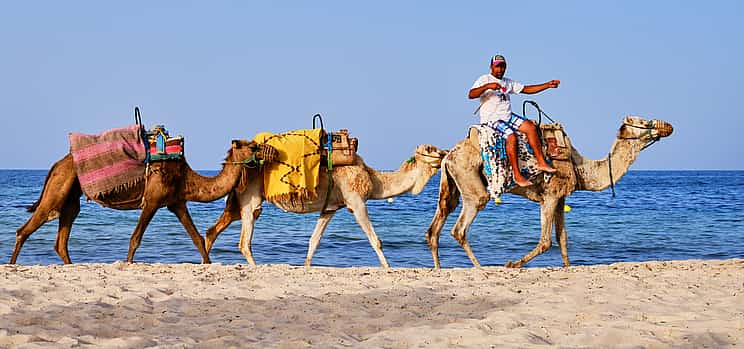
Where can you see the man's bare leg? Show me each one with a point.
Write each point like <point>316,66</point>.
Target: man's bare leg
<point>511,153</point>
<point>528,128</point>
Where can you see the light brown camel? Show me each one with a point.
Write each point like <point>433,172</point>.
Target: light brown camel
<point>462,176</point>
<point>353,185</point>
<point>169,184</point>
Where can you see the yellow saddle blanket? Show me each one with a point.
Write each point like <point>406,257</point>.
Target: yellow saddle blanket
<point>294,176</point>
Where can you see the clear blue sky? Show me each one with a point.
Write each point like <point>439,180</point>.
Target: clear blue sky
<point>395,73</point>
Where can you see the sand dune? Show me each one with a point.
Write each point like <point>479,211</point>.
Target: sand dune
<point>685,304</point>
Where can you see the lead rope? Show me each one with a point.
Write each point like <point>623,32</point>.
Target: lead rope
<point>609,166</point>
<point>329,164</point>
<point>143,134</point>
<point>540,114</point>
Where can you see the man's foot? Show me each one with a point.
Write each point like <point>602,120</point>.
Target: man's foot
<point>546,168</point>
<point>522,182</point>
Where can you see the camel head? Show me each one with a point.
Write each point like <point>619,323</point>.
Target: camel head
<point>428,159</point>
<point>645,131</point>
<point>250,154</point>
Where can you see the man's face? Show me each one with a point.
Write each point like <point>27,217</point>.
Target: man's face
<point>498,70</point>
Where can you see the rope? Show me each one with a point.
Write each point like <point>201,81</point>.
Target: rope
<point>251,162</point>
<point>609,166</point>
<point>330,171</point>
<point>540,112</point>
<point>143,134</point>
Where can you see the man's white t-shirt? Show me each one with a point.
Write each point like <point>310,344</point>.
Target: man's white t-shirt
<point>495,104</point>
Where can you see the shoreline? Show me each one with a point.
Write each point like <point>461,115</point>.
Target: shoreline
<point>691,303</point>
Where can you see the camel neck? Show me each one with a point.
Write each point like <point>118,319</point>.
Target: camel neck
<point>594,175</point>
<point>390,184</point>
<point>204,189</point>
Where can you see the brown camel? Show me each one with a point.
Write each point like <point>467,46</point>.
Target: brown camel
<point>462,176</point>
<point>353,185</point>
<point>169,184</point>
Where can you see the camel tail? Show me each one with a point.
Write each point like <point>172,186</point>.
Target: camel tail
<point>35,205</point>
<point>449,195</point>
<point>449,198</point>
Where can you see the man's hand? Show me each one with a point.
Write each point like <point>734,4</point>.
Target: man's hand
<point>493,86</point>
<point>553,83</point>
<point>478,91</point>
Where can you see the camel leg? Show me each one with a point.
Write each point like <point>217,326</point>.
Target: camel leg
<point>320,227</point>
<point>474,199</point>
<point>37,219</point>
<point>547,217</point>
<point>359,208</point>
<point>144,220</point>
<point>250,211</point>
<point>230,214</point>
<point>58,188</point>
<point>459,231</point>
<point>449,198</point>
<point>560,231</point>
<point>67,216</point>
<point>182,212</point>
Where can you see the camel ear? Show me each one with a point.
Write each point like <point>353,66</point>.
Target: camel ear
<point>235,144</point>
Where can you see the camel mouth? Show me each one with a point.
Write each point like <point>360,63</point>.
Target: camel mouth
<point>267,153</point>
<point>663,128</point>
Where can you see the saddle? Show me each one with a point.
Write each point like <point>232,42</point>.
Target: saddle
<point>342,148</point>
<point>161,146</point>
<point>557,142</point>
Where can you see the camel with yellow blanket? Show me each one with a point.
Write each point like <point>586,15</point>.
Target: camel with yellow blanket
<point>297,183</point>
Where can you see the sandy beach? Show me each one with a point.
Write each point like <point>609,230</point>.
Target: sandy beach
<point>680,304</point>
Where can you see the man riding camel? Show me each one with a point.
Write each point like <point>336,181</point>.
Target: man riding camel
<point>495,111</point>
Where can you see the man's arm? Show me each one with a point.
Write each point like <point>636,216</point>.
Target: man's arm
<point>532,89</point>
<point>478,91</point>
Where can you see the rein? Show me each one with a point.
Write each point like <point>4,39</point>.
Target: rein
<point>251,162</point>
<point>540,112</point>
<point>654,139</point>
<point>329,164</point>
<point>609,166</point>
<point>412,159</point>
<point>427,155</point>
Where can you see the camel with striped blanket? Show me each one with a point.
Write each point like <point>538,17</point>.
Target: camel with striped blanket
<point>168,184</point>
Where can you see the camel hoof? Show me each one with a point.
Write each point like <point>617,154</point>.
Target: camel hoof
<point>511,264</point>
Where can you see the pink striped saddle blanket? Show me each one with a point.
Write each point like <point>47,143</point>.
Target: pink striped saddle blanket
<point>109,162</point>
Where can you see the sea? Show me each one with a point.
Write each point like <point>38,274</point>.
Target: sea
<point>655,215</point>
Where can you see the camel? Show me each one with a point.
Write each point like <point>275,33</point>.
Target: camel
<point>462,176</point>
<point>168,184</point>
<point>352,186</point>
